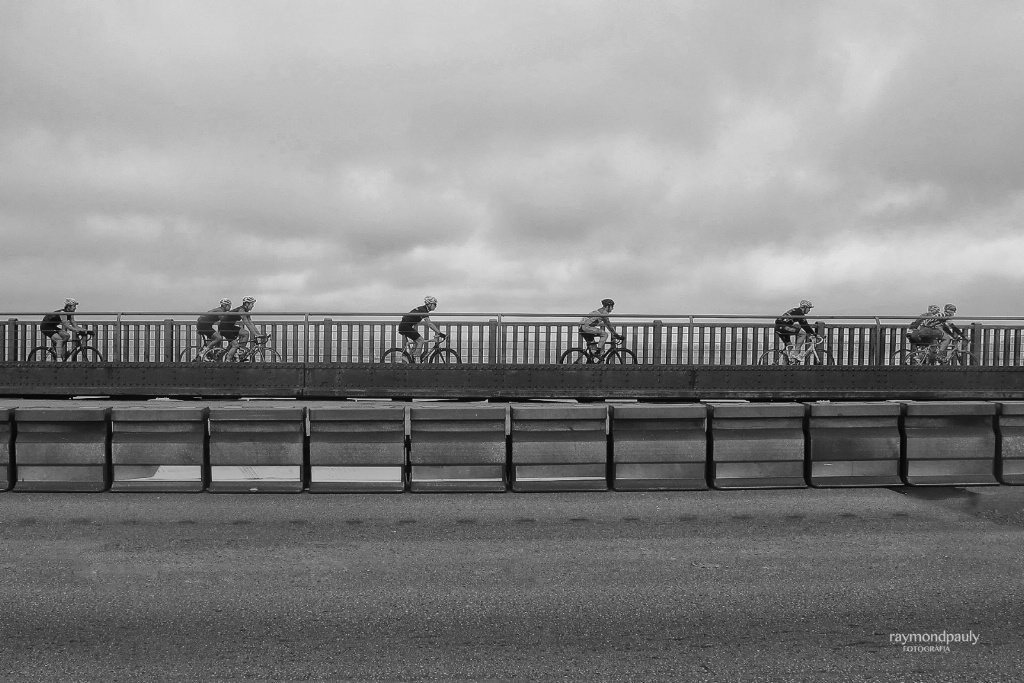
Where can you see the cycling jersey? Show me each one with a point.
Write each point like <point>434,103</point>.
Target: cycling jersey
<point>596,318</point>
<point>794,317</point>
<point>207,320</point>
<point>413,318</point>
<point>52,322</point>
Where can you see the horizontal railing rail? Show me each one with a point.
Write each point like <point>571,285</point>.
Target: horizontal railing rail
<point>510,338</point>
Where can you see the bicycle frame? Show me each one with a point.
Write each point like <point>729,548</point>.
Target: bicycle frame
<point>433,344</point>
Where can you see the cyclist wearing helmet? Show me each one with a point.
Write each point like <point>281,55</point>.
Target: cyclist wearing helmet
<point>57,326</point>
<point>948,329</point>
<point>407,328</point>
<point>596,324</point>
<point>236,326</point>
<point>204,324</point>
<point>794,321</point>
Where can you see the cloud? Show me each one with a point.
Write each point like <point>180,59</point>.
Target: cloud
<point>523,155</point>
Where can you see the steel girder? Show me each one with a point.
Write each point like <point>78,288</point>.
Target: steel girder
<point>510,382</point>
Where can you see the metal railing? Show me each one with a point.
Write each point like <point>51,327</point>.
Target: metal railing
<point>511,338</point>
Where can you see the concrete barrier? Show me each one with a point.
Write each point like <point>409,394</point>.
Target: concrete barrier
<point>457,448</point>
<point>357,448</point>
<point>157,449</point>
<point>949,443</point>
<point>854,444</point>
<point>6,436</point>
<point>659,447</point>
<point>1011,442</point>
<point>257,449</point>
<point>61,449</point>
<point>559,447</point>
<point>757,445</point>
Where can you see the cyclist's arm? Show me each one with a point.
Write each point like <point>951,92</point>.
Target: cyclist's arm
<point>248,324</point>
<point>68,323</point>
<point>430,323</point>
<point>606,321</point>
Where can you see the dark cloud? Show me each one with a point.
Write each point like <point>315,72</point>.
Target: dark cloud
<point>521,155</point>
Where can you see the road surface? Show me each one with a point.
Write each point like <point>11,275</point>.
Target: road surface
<point>801,585</point>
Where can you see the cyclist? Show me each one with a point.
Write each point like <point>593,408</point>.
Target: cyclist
<point>204,324</point>
<point>57,326</point>
<point>407,328</point>
<point>927,329</point>
<point>596,324</point>
<point>236,327</point>
<point>949,330</point>
<point>794,321</point>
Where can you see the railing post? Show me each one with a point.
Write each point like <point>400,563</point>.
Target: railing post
<point>12,339</point>
<point>168,340</point>
<point>117,340</point>
<point>656,346</point>
<point>689,342</point>
<point>876,345</point>
<point>328,340</point>
<point>977,343</point>
<point>492,341</point>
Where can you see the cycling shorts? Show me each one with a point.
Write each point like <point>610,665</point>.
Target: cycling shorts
<point>411,334</point>
<point>205,330</point>
<point>49,330</point>
<point>229,333</point>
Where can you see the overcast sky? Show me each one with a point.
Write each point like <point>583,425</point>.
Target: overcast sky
<point>680,157</point>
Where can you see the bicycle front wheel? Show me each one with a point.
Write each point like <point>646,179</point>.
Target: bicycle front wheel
<point>574,357</point>
<point>963,358</point>
<point>396,355</point>
<point>444,356</point>
<point>620,357</point>
<point>821,357</point>
<point>773,357</point>
<point>42,354</point>
<point>266,356</point>
<point>87,354</point>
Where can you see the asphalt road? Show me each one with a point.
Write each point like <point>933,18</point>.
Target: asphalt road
<point>802,585</point>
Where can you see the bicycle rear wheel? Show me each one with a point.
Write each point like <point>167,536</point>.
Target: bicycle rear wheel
<point>620,357</point>
<point>574,357</point>
<point>87,354</point>
<point>773,357</point>
<point>190,355</point>
<point>42,354</point>
<point>444,356</point>
<point>394,356</point>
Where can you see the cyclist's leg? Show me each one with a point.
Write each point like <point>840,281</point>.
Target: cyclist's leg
<point>589,334</point>
<point>60,340</point>
<point>231,336</point>
<point>944,346</point>
<point>786,337</point>
<point>413,343</point>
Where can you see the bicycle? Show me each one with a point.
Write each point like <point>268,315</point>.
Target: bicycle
<point>433,353</point>
<point>75,350</point>
<point>254,350</point>
<point>811,352</point>
<point>613,355</point>
<point>956,354</point>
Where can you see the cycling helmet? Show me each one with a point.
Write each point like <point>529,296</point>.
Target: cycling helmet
<point>429,300</point>
<point>248,299</point>
<point>225,302</point>
<point>950,309</point>
<point>607,302</point>
<point>934,310</point>
<point>806,304</point>
<point>70,302</point>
